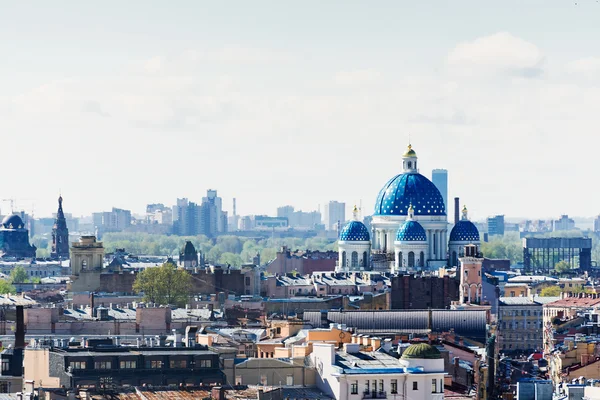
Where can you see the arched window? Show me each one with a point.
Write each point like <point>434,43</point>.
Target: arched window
<point>354,259</point>
<point>422,260</point>
<point>409,164</point>
<point>344,259</point>
<point>454,259</point>
<point>400,259</point>
<point>365,260</point>
<point>411,259</point>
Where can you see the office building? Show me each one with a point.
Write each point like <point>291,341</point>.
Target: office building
<point>116,220</point>
<point>439,177</point>
<point>334,215</point>
<point>495,225</point>
<point>213,220</point>
<point>285,212</point>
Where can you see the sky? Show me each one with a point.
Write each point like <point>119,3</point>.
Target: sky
<point>126,103</point>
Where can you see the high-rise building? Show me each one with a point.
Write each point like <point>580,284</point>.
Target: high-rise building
<point>285,212</point>
<point>597,224</point>
<point>564,223</point>
<point>334,215</point>
<point>60,234</point>
<point>212,219</point>
<point>186,218</point>
<point>439,177</point>
<point>495,225</point>
<point>116,220</point>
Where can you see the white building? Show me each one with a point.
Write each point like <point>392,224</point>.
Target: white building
<point>335,213</point>
<point>354,374</point>
<point>409,227</point>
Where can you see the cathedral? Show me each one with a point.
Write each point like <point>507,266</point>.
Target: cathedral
<point>409,228</point>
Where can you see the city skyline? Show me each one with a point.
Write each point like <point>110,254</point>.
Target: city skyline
<point>163,98</point>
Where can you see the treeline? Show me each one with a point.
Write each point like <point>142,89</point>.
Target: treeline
<point>230,249</point>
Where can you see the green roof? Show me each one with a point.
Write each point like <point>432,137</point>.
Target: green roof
<point>422,351</point>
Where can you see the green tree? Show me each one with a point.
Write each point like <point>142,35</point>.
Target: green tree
<point>6,287</point>
<point>550,291</point>
<point>18,274</point>
<point>232,259</point>
<point>562,267</point>
<point>164,285</point>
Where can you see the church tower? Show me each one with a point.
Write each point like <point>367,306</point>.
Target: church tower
<point>60,235</point>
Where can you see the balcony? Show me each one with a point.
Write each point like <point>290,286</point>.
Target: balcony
<point>374,395</point>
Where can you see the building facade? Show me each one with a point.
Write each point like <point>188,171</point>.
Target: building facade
<point>334,215</point>
<point>439,177</point>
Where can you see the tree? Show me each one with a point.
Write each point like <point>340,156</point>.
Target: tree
<point>18,274</point>
<point>164,285</point>
<point>550,291</point>
<point>6,287</point>
<point>562,267</point>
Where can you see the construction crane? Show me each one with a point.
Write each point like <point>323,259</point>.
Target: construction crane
<point>12,202</point>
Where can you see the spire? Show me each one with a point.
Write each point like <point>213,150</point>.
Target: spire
<point>60,213</point>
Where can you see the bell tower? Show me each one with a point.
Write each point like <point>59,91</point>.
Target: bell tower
<point>60,235</point>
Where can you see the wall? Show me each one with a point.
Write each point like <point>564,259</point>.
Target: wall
<point>421,293</point>
<point>275,371</point>
<point>36,364</point>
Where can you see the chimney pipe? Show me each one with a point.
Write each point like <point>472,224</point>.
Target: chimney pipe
<point>456,210</point>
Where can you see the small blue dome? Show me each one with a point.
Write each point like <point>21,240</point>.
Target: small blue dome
<point>411,231</point>
<point>405,189</point>
<point>464,231</point>
<point>355,231</point>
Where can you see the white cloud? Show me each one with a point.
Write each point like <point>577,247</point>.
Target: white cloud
<point>501,53</point>
<point>357,77</point>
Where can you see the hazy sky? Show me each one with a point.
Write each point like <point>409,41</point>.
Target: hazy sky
<point>123,103</point>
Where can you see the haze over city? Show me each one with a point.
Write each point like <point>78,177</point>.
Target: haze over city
<point>271,103</point>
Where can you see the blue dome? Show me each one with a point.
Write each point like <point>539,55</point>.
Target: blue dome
<point>355,231</point>
<point>411,231</point>
<point>405,189</point>
<point>464,231</point>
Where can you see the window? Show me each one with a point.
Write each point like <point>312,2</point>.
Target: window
<point>247,281</point>
<point>289,380</point>
<point>344,259</point>
<point>5,365</point>
<point>411,259</point>
<point>400,259</point>
<point>354,259</point>
<point>154,364</point>
<point>367,386</point>
<point>394,386</point>
<point>238,380</point>
<point>4,387</point>
<point>77,364</point>
<point>205,363</point>
<point>128,364</point>
<point>415,385</point>
<point>434,386</point>
<point>263,380</point>
<point>354,387</point>
<point>103,365</point>
<point>381,386</point>
<point>178,364</point>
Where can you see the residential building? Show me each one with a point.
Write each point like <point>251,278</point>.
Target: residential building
<point>597,224</point>
<point>186,218</point>
<point>301,261</point>
<point>285,212</point>
<point>213,220</point>
<point>495,225</point>
<point>564,223</point>
<point>351,373</point>
<point>116,220</point>
<point>102,363</point>
<point>439,177</point>
<point>421,292</point>
<point>334,215</point>
<point>520,324</point>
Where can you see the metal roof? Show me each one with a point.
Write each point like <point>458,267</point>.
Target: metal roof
<point>468,323</point>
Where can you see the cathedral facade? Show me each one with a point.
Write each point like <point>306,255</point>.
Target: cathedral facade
<point>409,228</point>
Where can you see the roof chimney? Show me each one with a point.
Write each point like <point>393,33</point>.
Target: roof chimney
<point>456,210</point>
